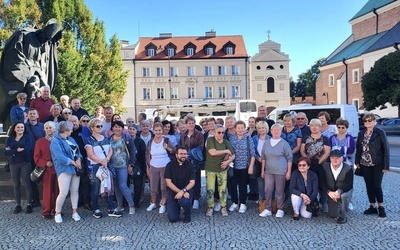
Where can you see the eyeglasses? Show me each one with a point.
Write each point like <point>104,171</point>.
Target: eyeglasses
<point>341,127</point>
<point>302,165</point>
<point>99,126</point>
<point>130,121</point>
<point>219,132</point>
<point>85,120</point>
<point>367,120</point>
<point>300,118</point>
<point>67,113</point>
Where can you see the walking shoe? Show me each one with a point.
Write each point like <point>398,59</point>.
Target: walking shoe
<point>381,212</point>
<point>36,204</point>
<point>132,210</point>
<point>296,217</point>
<point>113,213</point>
<point>196,204</point>
<point>87,206</point>
<point>279,213</point>
<point>371,210</point>
<point>243,208</point>
<point>120,209</point>
<point>217,206</point>
<point>342,220</point>
<point>162,209</point>
<point>224,212</point>
<point>28,209</point>
<point>233,207</point>
<point>58,218</point>
<point>17,209</point>
<point>265,213</point>
<point>350,207</point>
<point>209,212</point>
<point>151,207</point>
<point>76,217</point>
<point>97,214</point>
<point>187,219</point>
<point>47,216</point>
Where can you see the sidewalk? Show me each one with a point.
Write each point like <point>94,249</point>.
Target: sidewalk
<point>151,230</point>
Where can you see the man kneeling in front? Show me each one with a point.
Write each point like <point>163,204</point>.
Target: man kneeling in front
<point>180,178</point>
<point>336,180</point>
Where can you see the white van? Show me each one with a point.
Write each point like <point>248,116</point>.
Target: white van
<point>348,112</point>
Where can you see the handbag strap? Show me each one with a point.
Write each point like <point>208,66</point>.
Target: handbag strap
<point>104,152</point>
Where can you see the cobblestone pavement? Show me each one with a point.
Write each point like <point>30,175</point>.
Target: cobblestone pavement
<point>151,230</point>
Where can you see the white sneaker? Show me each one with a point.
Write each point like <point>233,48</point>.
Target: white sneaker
<point>279,213</point>
<point>233,207</point>
<point>243,208</point>
<point>196,204</point>
<point>76,217</point>
<point>162,209</point>
<point>58,218</point>
<point>351,206</point>
<point>217,207</point>
<point>131,210</point>
<point>151,207</point>
<point>265,213</point>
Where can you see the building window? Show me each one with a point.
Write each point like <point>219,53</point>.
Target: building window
<point>356,76</point>
<point>170,52</point>
<point>208,70</point>
<point>270,67</point>
<point>191,92</point>
<point>174,93</point>
<point>331,80</point>
<point>173,71</point>
<point>150,52</point>
<point>221,92</point>
<point>190,71</point>
<point>208,92</point>
<point>146,72</point>
<point>210,51</point>
<point>189,51</point>
<point>270,85</point>
<point>229,50</point>
<point>146,94</point>
<point>235,92</point>
<point>160,93</point>
<point>235,70</point>
<point>221,70</point>
<point>160,72</point>
<point>356,103</point>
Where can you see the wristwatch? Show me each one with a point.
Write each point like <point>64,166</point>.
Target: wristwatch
<point>184,190</point>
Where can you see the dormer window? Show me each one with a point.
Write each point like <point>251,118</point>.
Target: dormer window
<point>190,49</point>
<point>150,52</point>
<point>209,49</point>
<point>170,50</point>
<point>229,48</point>
<point>150,49</point>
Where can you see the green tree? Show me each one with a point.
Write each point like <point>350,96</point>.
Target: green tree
<point>381,84</point>
<point>89,67</point>
<point>307,80</point>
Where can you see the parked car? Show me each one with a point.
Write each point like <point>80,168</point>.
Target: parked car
<point>391,126</point>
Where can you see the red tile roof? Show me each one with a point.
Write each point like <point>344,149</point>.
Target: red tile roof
<point>199,41</point>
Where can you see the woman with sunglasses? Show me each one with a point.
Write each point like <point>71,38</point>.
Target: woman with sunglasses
<point>66,112</point>
<point>372,156</point>
<point>344,142</point>
<point>19,112</point>
<point>303,188</point>
<point>99,152</point>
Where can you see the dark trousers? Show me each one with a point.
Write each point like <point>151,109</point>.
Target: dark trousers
<point>84,190</point>
<point>137,187</point>
<point>174,206</point>
<point>197,186</point>
<point>373,181</point>
<point>240,179</point>
<point>21,171</point>
<point>315,167</point>
<point>253,186</point>
<point>34,188</point>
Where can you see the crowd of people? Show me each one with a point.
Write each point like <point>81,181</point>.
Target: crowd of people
<point>306,165</point>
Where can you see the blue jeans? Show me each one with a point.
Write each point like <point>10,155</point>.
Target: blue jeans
<point>174,206</point>
<point>95,190</point>
<point>121,187</point>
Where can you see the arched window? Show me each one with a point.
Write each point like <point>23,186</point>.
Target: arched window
<point>270,67</point>
<point>270,85</point>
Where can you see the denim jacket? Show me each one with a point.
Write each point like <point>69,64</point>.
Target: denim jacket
<point>62,155</point>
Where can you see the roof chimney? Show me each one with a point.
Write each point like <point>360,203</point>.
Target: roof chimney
<point>165,35</point>
<point>211,33</point>
<point>124,43</point>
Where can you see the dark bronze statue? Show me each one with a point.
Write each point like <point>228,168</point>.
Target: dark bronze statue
<point>28,62</point>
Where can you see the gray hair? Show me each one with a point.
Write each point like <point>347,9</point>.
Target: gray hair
<point>55,105</point>
<point>276,125</point>
<point>216,126</point>
<point>64,126</point>
<point>23,95</point>
<point>145,122</point>
<point>315,121</point>
<point>51,124</point>
<point>230,118</point>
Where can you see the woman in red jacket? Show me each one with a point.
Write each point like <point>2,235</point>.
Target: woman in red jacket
<point>42,157</point>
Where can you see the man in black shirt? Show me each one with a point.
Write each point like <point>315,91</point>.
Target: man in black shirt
<point>180,178</point>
